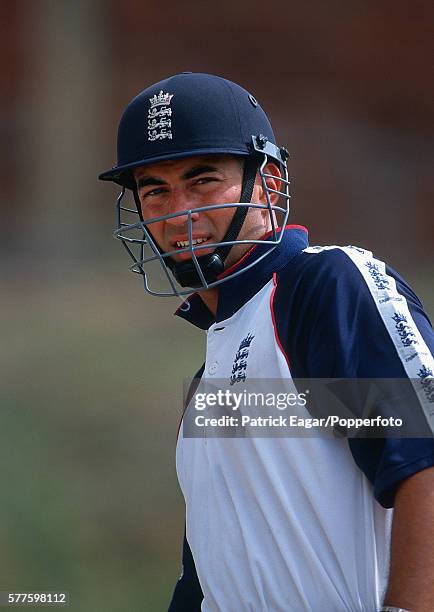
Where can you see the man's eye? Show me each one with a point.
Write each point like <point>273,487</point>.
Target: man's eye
<point>153,192</point>
<point>205,179</point>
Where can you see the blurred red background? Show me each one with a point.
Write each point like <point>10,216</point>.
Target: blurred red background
<point>92,370</point>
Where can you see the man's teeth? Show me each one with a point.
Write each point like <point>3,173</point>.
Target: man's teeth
<point>186,243</point>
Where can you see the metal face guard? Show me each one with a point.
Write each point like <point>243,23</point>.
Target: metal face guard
<point>142,248</point>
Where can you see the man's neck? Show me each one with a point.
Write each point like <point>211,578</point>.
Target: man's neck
<point>210,299</point>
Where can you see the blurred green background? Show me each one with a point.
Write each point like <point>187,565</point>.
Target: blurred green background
<point>92,369</point>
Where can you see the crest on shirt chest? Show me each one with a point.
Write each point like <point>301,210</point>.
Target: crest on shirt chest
<point>239,366</point>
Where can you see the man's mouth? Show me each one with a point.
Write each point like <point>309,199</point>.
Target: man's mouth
<point>185,244</point>
<point>181,244</point>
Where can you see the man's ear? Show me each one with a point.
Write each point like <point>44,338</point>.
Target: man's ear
<point>272,182</point>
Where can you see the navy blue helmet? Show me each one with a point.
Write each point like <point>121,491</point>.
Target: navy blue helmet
<point>184,115</point>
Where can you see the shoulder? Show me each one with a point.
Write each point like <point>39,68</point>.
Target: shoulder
<point>324,275</point>
<point>345,302</point>
<point>327,263</point>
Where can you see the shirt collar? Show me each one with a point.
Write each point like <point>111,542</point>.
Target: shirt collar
<point>234,293</point>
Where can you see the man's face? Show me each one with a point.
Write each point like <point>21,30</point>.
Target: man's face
<point>187,184</point>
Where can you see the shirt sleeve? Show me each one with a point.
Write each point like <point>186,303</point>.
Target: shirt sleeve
<point>341,313</point>
<point>187,596</point>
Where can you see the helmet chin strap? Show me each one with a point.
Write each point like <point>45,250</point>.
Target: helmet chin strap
<point>213,264</point>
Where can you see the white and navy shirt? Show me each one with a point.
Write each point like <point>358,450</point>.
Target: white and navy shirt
<point>300,524</point>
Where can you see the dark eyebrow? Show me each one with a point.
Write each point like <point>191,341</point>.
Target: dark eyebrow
<point>199,170</point>
<point>149,180</point>
<point>189,174</point>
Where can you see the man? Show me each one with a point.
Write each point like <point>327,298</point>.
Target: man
<point>283,523</point>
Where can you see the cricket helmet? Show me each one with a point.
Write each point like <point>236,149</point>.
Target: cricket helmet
<point>185,115</point>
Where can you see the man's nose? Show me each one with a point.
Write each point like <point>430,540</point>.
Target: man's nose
<point>180,202</point>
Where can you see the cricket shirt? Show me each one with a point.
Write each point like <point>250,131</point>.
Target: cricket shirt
<point>300,524</point>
